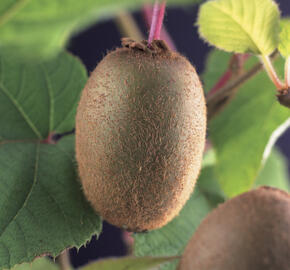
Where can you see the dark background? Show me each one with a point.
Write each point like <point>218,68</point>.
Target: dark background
<point>92,45</point>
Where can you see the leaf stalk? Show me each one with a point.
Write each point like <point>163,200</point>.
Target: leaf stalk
<point>287,72</point>
<point>64,260</point>
<point>216,101</point>
<point>272,72</point>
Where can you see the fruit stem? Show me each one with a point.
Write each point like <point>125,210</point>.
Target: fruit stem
<point>272,72</point>
<point>49,139</point>
<point>128,26</point>
<point>236,65</point>
<point>235,69</point>
<point>287,72</point>
<point>164,35</point>
<point>157,20</point>
<point>64,260</point>
<point>128,241</point>
<point>215,100</point>
<point>221,82</point>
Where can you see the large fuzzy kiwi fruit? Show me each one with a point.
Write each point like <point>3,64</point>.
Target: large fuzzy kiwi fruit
<point>140,135</point>
<point>249,232</point>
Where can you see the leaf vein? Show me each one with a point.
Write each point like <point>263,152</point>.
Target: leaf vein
<point>24,239</point>
<point>20,110</point>
<point>51,100</point>
<point>71,110</point>
<point>239,25</point>
<point>29,193</point>
<point>62,213</point>
<point>8,257</point>
<point>16,7</point>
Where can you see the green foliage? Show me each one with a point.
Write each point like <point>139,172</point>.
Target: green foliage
<point>209,186</point>
<point>38,264</point>
<point>284,45</point>
<point>43,210</point>
<point>243,26</point>
<point>172,238</point>
<point>34,29</point>
<point>241,132</point>
<point>128,263</point>
<point>48,212</point>
<point>36,99</point>
<point>274,172</point>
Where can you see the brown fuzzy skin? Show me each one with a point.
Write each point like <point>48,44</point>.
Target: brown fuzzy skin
<point>251,231</point>
<point>140,135</point>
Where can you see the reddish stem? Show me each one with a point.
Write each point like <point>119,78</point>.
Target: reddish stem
<point>164,35</point>
<point>157,21</point>
<point>221,82</point>
<point>129,241</point>
<point>49,139</point>
<point>287,72</point>
<point>236,63</point>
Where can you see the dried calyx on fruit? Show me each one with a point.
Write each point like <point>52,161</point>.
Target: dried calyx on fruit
<point>250,231</point>
<point>140,135</point>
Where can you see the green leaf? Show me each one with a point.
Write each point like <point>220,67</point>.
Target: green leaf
<point>41,28</point>
<point>128,263</point>
<point>38,99</point>
<point>242,131</point>
<point>38,264</point>
<point>43,210</point>
<point>284,45</point>
<point>274,172</point>
<point>209,186</point>
<point>242,26</point>
<point>214,69</point>
<point>172,238</point>
<point>209,158</point>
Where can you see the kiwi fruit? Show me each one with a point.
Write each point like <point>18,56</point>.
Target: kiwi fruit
<point>140,135</point>
<point>250,231</point>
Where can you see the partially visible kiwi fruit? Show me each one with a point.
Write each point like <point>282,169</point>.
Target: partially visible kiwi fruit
<point>140,135</point>
<point>248,232</point>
